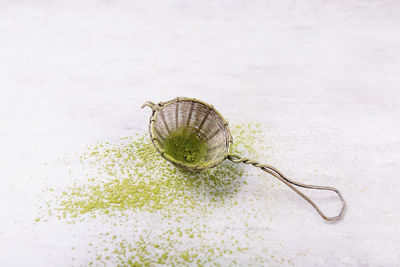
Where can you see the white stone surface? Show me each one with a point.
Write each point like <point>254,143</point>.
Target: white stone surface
<point>323,76</point>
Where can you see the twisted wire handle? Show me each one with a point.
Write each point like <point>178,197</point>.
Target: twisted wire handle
<point>271,170</point>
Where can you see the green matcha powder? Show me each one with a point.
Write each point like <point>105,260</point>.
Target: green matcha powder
<point>184,146</point>
<point>127,179</point>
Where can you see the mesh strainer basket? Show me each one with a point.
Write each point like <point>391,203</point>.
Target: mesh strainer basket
<point>208,124</point>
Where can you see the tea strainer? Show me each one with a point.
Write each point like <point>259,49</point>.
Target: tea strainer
<point>209,125</point>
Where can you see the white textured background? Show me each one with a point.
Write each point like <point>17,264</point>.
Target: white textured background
<point>324,76</point>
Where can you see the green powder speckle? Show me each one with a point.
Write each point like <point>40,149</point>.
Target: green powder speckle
<point>184,146</point>
<point>167,213</point>
<point>140,179</point>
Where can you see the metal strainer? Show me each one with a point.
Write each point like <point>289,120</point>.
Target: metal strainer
<point>208,124</point>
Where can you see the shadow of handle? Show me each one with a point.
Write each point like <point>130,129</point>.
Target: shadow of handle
<point>271,170</point>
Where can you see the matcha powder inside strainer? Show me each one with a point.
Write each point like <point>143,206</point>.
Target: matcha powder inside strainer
<point>184,146</point>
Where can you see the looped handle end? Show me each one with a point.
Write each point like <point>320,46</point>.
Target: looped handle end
<point>271,170</point>
<point>149,104</point>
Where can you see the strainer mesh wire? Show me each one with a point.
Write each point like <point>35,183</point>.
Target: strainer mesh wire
<point>198,116</point>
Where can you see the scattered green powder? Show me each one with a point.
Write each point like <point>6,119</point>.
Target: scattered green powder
<point>167,249</point>
<point>184,146</point>
<point>129,177</point>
